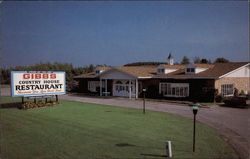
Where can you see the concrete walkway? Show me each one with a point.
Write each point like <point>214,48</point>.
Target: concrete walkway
<point>232,123</point>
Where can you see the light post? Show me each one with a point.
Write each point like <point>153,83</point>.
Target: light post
<point>144,91</point>
<point>195,110</point>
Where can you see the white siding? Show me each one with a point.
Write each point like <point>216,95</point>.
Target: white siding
<point>166,70</point>
<point>199,69</point>
<point>242,72</point>
<point>169,70</point>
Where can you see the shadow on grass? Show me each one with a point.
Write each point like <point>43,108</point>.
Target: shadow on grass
<point>11,105</point>
<point>154,155</point>
<point>123,145</point>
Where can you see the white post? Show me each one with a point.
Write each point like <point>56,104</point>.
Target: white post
<point>169,149</point>
<point>159,88</point>
<point>129,89</point>
<point>100,87</point>
<point>136,88</point>
<point>106,87</point>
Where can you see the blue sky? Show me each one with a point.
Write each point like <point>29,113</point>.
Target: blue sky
<point>116,33</point>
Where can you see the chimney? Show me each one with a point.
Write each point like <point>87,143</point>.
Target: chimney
<point>170,59</point>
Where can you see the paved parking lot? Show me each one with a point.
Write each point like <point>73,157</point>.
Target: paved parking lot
<point>232,123</point>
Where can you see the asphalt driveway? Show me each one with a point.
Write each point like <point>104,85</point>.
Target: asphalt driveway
<point>232,123</point>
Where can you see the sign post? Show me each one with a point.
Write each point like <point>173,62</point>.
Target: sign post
<point>144,91</point>
<point>195,110</point>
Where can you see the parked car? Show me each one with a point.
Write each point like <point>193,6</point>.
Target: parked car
<point>238,102</point>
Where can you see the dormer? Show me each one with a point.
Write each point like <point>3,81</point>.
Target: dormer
<point>162,69</point>
<point>99,70</point>
<point>193,69</point>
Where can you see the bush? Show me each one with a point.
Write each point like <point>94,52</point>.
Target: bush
<point>73,86</point>
<point>29,105</point>
<point>236,102</point>
<point>236,92</point>
<point>218,98</point>
<point>242,93</point>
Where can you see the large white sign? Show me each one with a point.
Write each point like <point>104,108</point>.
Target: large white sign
<point>31,83</point>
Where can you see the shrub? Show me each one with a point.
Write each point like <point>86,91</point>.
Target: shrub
<point>29,105</point>
<point>218,98</point>
<point>242,93</point>
<point>236,92</point>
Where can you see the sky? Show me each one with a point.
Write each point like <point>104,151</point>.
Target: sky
<point>120,32</point>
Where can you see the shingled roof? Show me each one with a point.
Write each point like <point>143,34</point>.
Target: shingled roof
<point>139,71</point>
<point>213,71</point>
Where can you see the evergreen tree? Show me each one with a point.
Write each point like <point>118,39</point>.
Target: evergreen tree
<point>221,60</point>
<point>205,61</point>
<point>196,59</point>
<point>185,60</point>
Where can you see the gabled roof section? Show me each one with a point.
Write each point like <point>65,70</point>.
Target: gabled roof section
<point>139,71</point>
<point>213,71</point>
<point>135,71</point>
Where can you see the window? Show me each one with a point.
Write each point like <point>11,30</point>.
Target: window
<point>97,71</point>
<point>174,89</point>
<point>161,70</point>
<point>190,70</point>
<point>227,90</point>
<point>93,85</point>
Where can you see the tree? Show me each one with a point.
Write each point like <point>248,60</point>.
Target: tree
<point>221,60</point>
<point>185,60</point>
<point>90,68</point>
<point>204,61</point>
<point>196,59</point>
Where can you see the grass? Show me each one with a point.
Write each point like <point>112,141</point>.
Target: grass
<point>75,130</point>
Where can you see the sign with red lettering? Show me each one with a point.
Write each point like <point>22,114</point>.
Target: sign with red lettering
<point>33,83</point>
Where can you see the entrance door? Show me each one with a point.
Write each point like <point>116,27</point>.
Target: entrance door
<point>121,88</point>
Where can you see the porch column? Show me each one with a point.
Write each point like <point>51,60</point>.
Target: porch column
<point>129,89</point>
<point>136,88</point>
<point>106,87</point>
<point>159,88</point>
<point>100,87</point>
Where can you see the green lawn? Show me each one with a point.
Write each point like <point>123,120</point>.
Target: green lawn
<point>75,130</point>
